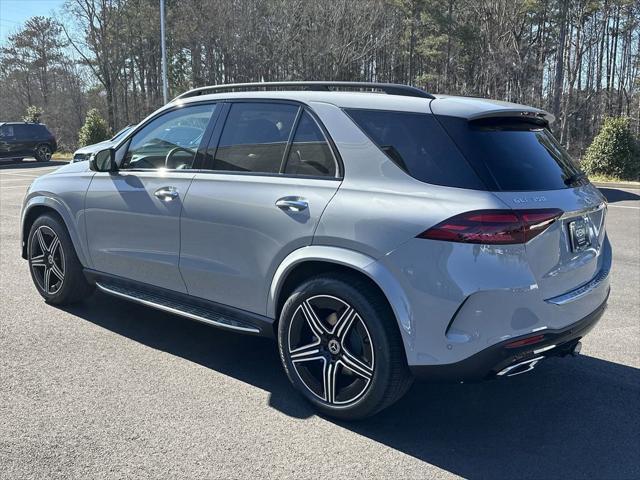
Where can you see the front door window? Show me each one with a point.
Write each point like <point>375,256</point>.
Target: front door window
<point>170,141</point>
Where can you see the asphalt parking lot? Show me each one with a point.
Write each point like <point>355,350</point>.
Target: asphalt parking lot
<point>110,389</point>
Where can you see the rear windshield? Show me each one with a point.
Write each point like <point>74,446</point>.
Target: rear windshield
<point>514,155</point>
<point>417,143</point>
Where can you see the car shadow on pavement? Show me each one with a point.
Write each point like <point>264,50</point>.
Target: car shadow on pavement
<point>614,195</point>
<point>251,359</point>
<point>11,165</point>
<point>571,417</point>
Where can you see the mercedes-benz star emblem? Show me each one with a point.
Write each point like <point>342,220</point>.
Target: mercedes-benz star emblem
<point>334,346</point>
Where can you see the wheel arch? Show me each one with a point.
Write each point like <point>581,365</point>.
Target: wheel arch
<point>40,205</point>
<point>313,260</point>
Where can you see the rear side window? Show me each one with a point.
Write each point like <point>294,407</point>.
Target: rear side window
<point>24,131</point>
<point>418,144</point>
<point>513,155</point>
<point>310,153</point>
<point>254,137</point>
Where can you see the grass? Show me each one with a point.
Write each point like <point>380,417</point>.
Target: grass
<point>609,179</point>
<point>64,156</point>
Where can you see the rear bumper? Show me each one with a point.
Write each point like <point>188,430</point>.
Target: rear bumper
<point>488,362</point>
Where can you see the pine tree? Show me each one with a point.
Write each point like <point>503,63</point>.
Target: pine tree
<point>614,151</point>
<point>94,129</point>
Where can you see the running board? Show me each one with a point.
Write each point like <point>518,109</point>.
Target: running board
<point>177,307</point>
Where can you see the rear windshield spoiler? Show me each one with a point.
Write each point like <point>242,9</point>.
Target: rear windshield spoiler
<point>538,117</point>
<point>509,123</point>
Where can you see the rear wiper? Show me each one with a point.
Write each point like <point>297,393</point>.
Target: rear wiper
<point>571,179</point>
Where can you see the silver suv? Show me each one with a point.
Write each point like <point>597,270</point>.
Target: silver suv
<point>377,232</point>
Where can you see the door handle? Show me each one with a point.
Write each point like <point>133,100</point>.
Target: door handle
<point>292,204</point>
<point>166,194</point>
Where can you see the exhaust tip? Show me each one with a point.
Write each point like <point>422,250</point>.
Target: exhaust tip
<point>519,368</point>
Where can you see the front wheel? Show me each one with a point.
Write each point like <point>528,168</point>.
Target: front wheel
<point>55,268</point>
<point>341,347</point>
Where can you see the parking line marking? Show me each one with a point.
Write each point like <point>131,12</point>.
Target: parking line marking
<point>4,174</point>
<point>22,175</point>
<point>623,206</point>
<point>13,180</point>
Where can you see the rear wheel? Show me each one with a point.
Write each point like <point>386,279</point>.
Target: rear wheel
<point>55,268</point>
<point>43,153</point>
<point>341,347</point>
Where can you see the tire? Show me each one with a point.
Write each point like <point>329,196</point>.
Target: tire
<point>43,153</point>
<point>336,330</point>
<point>53,263</point>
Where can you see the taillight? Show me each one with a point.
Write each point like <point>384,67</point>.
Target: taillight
<point>494,227</point>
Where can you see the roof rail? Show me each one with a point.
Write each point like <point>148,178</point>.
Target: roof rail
<point>388,88</point>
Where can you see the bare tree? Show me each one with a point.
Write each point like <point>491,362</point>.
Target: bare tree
<point>579,59</point>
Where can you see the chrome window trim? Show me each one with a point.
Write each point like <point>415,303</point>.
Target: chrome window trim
<point>583,211</point>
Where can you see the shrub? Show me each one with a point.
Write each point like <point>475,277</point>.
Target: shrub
<point>94,130</point>
<point>614,152</point>
<point>32,114</point>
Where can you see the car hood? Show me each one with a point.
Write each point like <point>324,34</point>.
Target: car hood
<point>76,167</point>
<point>96,147</point>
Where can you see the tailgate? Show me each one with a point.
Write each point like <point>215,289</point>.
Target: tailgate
<point>569,253</point>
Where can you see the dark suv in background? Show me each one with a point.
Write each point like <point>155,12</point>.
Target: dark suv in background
<point>19,140</point>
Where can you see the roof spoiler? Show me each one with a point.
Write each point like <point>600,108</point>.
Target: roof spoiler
<point>527,114</point>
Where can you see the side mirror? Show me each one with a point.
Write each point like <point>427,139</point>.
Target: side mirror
<point>103,161</point>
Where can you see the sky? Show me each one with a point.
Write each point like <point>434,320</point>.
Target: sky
<point>13,13</point>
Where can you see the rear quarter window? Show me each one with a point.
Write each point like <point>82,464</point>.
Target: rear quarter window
<point>513,155</point>
<point>43,131</point>
<point>417,144</point>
